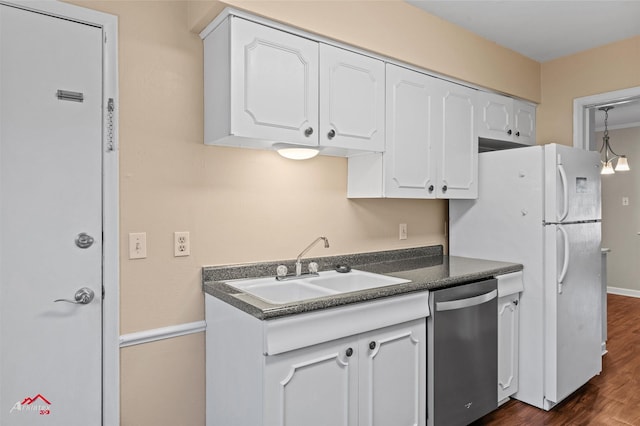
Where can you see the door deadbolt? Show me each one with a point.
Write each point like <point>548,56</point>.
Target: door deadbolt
<point>84,240</point>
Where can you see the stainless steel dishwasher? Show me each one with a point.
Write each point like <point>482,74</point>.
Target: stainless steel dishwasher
<point>462,353</point>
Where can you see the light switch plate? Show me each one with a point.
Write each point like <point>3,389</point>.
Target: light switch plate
<point>138,245</point>
<point>403,231</point>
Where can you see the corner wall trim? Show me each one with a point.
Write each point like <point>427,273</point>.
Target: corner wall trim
<point>623,291</point>
<point>162,333</point>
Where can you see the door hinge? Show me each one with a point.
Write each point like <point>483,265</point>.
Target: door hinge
<point>110,130</point>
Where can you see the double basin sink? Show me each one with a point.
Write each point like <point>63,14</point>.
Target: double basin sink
<point>324,284</point>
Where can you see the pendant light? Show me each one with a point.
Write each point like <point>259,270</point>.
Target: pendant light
<point>622,165</point>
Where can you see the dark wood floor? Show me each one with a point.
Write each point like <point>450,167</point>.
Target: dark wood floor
<point>612,398</point>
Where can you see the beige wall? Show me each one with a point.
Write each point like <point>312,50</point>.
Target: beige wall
<point>611,67</point>
<point>621,224</point>
<point>243,205</point>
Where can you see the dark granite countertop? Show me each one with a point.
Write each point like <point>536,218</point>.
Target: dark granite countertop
<point>426,268</point>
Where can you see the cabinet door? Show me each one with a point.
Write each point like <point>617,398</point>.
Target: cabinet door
<point>351,100</point>
<point>524,123</point>
<point>274,90</point>
<point>313,386</point>
<point>408,160</point>
<point>507,346</point>
<point>393,375</point>
<point>458,143</point>
<point>495,118</point>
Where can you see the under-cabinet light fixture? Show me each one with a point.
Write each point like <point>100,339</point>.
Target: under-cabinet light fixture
<point>295,152</point>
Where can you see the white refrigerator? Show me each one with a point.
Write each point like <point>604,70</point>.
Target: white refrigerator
<point>540,206</point>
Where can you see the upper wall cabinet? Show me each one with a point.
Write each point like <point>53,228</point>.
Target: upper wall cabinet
<point>458,156</point>
<point>507,119</point>
<point>261,86</point>
<point>431,142</point>
<point>265,86</point>
<point>351,100</point>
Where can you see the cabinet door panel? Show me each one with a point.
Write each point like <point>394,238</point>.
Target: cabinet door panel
<point>351,100</point>
<point>409,163</point>
<point>524,116</point>
<point>458,177</point>
<point>313,386</point>
<point>495,116</point>
<point>393,375</point>
<point>275,84</point>
<point>507,346</point>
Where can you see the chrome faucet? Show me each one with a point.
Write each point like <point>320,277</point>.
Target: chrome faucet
<point>298,263</point>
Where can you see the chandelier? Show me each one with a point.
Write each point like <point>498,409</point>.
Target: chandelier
<point>622,165</point>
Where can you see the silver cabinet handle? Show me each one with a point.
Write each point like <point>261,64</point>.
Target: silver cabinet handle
<point>83,296</point>
<point>331,134</point>
<point>308,131</point>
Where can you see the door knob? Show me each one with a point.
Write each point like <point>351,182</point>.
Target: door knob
<point>83,296</point>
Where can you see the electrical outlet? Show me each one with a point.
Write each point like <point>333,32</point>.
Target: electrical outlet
<point>138,245</point>
<point>403,231</point>
<point>181,244</point>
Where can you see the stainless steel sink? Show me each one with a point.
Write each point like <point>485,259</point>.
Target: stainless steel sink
<point>309,287</point>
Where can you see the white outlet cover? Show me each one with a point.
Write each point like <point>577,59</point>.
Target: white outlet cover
<point>181,244</point>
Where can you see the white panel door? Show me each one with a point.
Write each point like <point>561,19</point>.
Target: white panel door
<point>458,156</point>
<point>313,386</point>
<point>393,375</point>
<point>409,160</point>
<point>274,93</point>
<point>351,100</point>
<point>50,192</point>
<point>572,312</point>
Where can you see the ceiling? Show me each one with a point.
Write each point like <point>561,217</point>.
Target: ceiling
<point>544,30</point>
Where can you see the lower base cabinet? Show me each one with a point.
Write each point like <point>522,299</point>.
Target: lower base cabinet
<point>372,378</point>
<point>376,376</point>
<point>509,288</point>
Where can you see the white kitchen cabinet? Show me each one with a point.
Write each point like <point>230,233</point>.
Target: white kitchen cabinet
<point>509,288</point>
<point>372,378</point>
<point>506,119</point>
<point>316,385</point>
<point>458,143</point>
<point>351,100</point>
<point>358,364</point>
<point>265,85</point>
<point>261,86</point>
<point>431,142</point>
<point>393,375</point>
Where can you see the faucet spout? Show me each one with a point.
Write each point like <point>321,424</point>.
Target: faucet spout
<point>309,247</point>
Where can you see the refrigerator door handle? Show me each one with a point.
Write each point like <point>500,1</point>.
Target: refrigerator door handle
<point>565,192</point>
<point>565,264</point>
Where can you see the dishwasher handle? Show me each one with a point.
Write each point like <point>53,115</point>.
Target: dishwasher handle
<point>466,303</point>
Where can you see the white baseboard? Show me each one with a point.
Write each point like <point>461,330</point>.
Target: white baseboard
<point>623,291</point>
<point>162,333</point>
